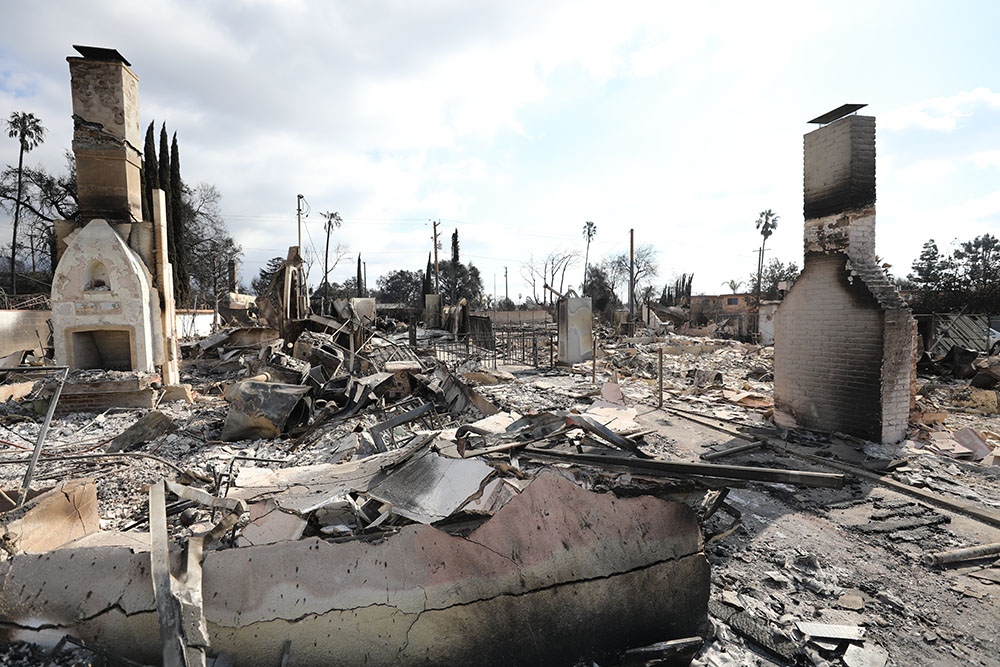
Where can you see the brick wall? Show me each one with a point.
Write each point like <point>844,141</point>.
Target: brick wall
<point>898,373</point>
<point>828,353</point>
<point>839,167</point>
<point>852,233</point>
<point>101,401</point>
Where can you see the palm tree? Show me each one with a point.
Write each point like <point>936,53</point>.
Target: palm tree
<point>589,232</point>
<point>29,133</point>
<point>767,222</point>
<point>733,285</point>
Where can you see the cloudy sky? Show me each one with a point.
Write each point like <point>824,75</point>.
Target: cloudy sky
<point>515,122</point>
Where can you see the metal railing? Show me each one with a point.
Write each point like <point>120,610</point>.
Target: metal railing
<point>535,347</point>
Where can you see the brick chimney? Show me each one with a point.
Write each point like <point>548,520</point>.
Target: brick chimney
<point>112,289</point>
<point>106,135</point>
<point>840,188</point>
<point>843,350</point>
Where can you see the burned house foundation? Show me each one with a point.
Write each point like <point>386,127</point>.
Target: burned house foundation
<point>419,597</point>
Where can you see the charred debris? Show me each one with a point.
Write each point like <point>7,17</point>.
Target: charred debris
<point>421,487</point>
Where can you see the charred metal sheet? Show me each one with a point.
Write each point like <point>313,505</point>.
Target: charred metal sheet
<point>431,487</point>
<point>305,489</point>
<point>557,574</point>
<point>263,410</point>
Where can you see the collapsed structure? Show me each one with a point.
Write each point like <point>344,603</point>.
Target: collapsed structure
<point>843,336</point>
<point>350,489</point>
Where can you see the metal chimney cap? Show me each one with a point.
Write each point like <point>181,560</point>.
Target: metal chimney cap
<point>100,53</point>
<point>837,113</point>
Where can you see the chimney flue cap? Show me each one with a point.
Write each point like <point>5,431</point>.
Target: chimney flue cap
<point>100,53</point>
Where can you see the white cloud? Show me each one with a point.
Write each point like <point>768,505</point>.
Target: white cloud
<point>985,159</point>
<point>515,121</point>
<point>939,113</point>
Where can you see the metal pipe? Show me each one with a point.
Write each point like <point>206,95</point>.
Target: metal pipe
<point>30,472</point>
<point>961,555</point>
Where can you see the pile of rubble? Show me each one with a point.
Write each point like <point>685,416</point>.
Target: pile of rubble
<point>337,495</point>
<point>281,463</point>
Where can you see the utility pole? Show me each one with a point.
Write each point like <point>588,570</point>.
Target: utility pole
<point>364,273</point>
<point>437,276</point>
<point>494,292</point>
<point>631,274</point>
<point>298,216</point>
<point>506,293</point>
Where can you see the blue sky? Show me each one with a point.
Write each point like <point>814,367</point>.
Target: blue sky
<point>517,121</point>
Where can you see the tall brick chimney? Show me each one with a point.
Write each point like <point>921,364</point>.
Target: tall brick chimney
<point>106,135</point>
<point>843,350</point>
<point>112,289</point>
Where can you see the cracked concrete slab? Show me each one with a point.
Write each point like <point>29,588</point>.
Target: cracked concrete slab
<point>557,573</point>
<point>51,518</point>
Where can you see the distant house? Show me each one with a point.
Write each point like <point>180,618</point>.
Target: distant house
<point>705,307</point>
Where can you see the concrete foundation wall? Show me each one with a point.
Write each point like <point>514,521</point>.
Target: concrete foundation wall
<point>828,353</point>
<point>557,573</point>
<point>21,329</point>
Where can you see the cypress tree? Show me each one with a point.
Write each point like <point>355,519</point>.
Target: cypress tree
<point>164,169</point>
<point>360,277</point>
<point>181,286</point>
<point>455,264</point>
<point>427,289</point>
<point>150,172</point>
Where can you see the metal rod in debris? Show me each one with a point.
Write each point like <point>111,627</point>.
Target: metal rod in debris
<point>659,354</point>
<point>30,472</point>
<point>961,555</point>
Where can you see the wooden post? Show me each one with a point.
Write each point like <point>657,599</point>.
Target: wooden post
<point>659,354</point>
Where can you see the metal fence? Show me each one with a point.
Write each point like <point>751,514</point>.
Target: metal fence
<point>466,348</point>
<point>507,346</point>
<point>535,347</point>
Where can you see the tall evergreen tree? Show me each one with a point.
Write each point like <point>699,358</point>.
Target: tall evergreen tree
<point>181,281</point>
<point>427,289</point>
<point>927,268</point>
<point>164,176</point>
<point>150,171</point>
<point>361,287</point>
<point>455,267</point>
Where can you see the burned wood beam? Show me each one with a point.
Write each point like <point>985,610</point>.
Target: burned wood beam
<point>798,477</point>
